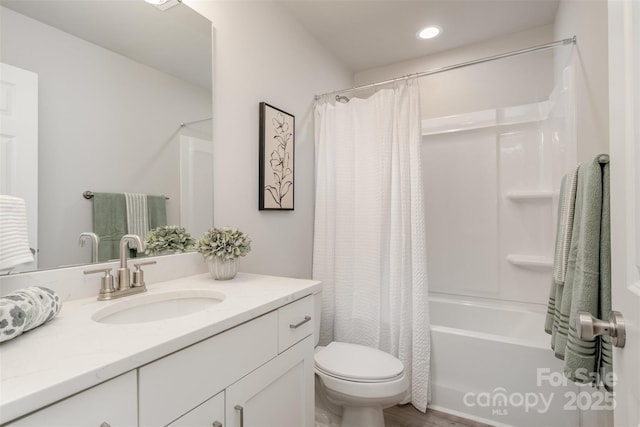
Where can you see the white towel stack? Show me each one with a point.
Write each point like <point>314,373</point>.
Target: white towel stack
<point>137,215</point>
<point>14,237</point>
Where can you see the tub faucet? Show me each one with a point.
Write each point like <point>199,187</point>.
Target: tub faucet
<point>124,275</point>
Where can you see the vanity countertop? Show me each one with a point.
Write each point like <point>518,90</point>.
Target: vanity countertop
<point>72,352</point>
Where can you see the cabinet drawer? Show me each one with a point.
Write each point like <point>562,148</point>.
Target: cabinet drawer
<point>173,385</point>
<point>112,402</point>
<point>295,322</point>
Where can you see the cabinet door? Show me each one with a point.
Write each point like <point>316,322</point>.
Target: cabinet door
<point>112,403</point>
<point>210,413</point>
<point>175,384</point>
<point>278,394</point>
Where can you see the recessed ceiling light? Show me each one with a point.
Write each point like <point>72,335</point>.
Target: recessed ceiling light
<point>429,32</point>
<point>164,4</point>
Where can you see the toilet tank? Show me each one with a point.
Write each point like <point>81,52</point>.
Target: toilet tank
<point>317,310</point>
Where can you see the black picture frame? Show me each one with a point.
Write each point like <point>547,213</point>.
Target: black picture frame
<point>276,159</point>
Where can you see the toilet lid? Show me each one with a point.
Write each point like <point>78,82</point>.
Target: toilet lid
<point>357,362</point>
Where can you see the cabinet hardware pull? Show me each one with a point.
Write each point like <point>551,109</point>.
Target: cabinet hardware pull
<point>302,322</point>
<point>241,409</point>
<point>217,424</point>
<point>105,424</point>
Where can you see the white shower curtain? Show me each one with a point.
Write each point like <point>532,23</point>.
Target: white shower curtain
<point>369,238</point>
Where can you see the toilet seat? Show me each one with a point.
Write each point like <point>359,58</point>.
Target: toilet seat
<point>353,362</point>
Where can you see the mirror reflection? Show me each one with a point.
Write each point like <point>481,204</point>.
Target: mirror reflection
<point>123,105</point>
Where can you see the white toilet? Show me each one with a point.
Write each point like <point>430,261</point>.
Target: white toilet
<point>355,383</point>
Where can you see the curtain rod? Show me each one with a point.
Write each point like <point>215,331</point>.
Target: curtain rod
<point>183,124</point>
<point>563,42</point>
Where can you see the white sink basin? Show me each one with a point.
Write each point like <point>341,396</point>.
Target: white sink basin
<point>151,307</point>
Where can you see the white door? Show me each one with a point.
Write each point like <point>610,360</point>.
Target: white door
<point>624,113</point>
<point>19,145</point>
<point>196,184</point>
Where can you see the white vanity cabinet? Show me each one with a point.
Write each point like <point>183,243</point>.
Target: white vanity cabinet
<point>256,373</point>
<point>262,371</point>
<point>110,404</point>
<point>175,384</point>
<point>278,394</point>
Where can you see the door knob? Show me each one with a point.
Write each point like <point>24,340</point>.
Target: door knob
<point>588,327</point>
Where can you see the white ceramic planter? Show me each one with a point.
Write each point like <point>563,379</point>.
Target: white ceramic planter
<point>221,268</point>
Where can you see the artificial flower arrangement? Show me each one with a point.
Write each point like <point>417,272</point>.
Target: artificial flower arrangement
<point>225,243</point>
<point>168,238</point>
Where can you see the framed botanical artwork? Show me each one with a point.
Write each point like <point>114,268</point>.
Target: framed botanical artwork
<point>276,169</point>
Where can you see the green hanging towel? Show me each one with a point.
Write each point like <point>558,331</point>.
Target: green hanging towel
<point>109,223</point>
<point>157,211</point>
<point>587,285</point>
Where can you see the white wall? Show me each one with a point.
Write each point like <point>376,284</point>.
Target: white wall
<point>508,82</point>
<point>518,80</point>
<point>106,123</point>
<point>587,20</point>
<point>469,172</point>
<point>262,54</point>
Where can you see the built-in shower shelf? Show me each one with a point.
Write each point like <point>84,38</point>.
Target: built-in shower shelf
<point>524,195</point>
<point>530,261</point>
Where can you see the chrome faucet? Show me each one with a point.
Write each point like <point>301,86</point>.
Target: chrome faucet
<point>95,241</point>
<point>123,287</point>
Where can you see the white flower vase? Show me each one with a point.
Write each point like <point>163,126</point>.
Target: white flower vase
<point>222,268</point>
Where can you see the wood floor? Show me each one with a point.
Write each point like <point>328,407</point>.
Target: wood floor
<point>408,416</point>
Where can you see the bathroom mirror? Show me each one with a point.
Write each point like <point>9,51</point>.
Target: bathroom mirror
<point>124,105</point>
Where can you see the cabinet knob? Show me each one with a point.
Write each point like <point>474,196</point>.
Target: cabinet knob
<point>241,410</point>
<point>216,424</point>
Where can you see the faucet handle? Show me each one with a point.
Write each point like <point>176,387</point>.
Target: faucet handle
<point>106,282</point>
<point>138,274</point>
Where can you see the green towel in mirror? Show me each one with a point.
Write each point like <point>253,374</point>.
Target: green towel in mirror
<point>109,223</point>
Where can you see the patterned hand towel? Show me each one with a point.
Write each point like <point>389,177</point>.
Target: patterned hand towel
<point>564,230</point>
<point>551,304</point>
<point>565,226</point>
<point>25,309</point>
<point>14,237</point>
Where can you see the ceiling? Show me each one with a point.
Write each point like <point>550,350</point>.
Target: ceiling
<point>363,34</point>
<point>366,34</point>
<point>176,41</point>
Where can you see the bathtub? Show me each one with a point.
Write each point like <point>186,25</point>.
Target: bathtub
<point>492,362</point>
